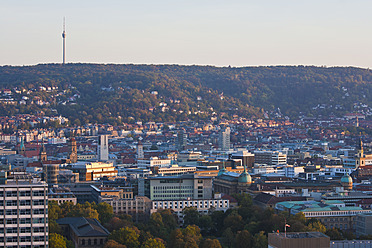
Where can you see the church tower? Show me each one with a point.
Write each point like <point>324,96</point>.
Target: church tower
<point>72,150</point>
<point>43,155</point>
<point>360,157</point>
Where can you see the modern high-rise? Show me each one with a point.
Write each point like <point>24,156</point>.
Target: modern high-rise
<point>140,153</point>
<point>224,139</point>
<point>24,214</point>
<point>103,153</point>
<point>181,140</point>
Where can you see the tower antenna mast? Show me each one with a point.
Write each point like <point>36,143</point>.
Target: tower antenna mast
<point>64,40</point>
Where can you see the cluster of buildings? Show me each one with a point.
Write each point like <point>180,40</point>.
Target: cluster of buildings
<point>142,168</point>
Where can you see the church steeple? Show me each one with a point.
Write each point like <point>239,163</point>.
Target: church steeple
<point>22,148</point>
<point>360,147</point>
<point>222,170</point>
<point>43,154</point>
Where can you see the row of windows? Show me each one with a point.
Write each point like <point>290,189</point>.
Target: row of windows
<point>23,220</point>
<point>23,229</point>
<point>332,213</point>
<point>173,187</point>
<point>22,211</point>
<point>22,193</point>
<point>24,239</point>
<point>173,196</point>
<point>173,191</point>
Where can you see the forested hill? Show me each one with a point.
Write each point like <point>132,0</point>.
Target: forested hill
<point>101,93</point>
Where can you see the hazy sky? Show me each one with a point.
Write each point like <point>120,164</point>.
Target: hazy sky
<point>214,32</point>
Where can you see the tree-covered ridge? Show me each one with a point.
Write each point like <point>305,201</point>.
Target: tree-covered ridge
<point>115,93</point>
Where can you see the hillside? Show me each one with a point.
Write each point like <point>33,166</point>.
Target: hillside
<point>110,93</point>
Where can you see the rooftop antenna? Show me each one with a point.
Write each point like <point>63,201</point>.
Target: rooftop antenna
<point>64,40</point>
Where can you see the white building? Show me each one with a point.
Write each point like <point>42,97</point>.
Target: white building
<point>153,161</point>
<point>224,139</point>
<point>24,214</point>
<point>103,153</point>
<point>203,206</point>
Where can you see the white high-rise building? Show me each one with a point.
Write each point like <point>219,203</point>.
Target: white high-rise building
<point>224,139</point>
<point>140,153</point>
<point>24,214</point>
<point>103,153</point>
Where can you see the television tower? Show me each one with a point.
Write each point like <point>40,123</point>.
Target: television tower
<point>64,41</point>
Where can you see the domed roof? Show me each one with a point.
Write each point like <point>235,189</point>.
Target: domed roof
<point>346,179</point>
<point>245,177</point>
<point>222,170</point>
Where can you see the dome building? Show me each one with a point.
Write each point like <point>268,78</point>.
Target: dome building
<point>230,182</point>
<point>347,182</point>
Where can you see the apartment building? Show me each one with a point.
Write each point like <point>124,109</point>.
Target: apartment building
<point>24,214</point>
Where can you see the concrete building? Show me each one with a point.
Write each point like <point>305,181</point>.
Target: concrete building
<point>175,187</point>
<point>174,170</point>
<point>138,207</point>
<point>103,152</point>
<point>84,232</point>
<point>270,157</point>
<point>140,153</point>
<point>153,161</point>
<point>333,214</point>
<point>296,240</point>
<point>246,157</point>
<point>93,171</point>
<point>61,195</point>
<point>181,140</point>
<point>224,139</point>
<point>203,206</point>
<point>363,224</point>
<point>24,214</point>
<point>189,156</point>
<point>51,172</point>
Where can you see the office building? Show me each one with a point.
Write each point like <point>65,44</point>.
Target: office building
<point>140,153</point>
<point>93,171</point>
<point>103,152</point>
<point>224,139</point>
<point>202,206</point>
<point>153,161</point>
<point>175,187</point>
<point>246,157</point>
<point>363,224</point>
<point>24,214</point>
<point>181,140</point>
<point>270,157</point>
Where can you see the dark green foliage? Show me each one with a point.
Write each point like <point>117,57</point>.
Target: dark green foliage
<point>109,91</point>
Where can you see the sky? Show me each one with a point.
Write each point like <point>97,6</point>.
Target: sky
<point>200,32</point>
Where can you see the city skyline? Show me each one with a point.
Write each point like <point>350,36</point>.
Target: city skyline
<point>236,33</point>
